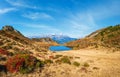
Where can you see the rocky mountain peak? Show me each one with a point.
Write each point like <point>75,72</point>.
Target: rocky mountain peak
<point>8,28</point>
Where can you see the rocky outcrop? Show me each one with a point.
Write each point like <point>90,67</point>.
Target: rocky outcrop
<point>8,28</point>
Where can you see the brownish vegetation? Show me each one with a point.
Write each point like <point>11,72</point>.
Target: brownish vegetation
<point>107,37</point>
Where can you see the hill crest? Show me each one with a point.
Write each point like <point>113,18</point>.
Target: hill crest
<point>104,38</point>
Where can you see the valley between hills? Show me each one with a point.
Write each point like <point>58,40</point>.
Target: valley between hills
<point>96,55</point>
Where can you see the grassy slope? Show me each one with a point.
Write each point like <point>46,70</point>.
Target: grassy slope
<point>107,37</point>
<point>15,37</point>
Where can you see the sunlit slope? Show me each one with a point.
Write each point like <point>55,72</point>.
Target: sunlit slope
<point>104,38</point>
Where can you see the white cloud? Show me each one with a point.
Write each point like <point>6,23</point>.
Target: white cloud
<point>41,27</point>
<point>21,3</point>
<point>38,15</point>
<point>31,29</point>
<point>80,24</point>
<point>25,4</point>
<point>16,2</point>
<point>6,10</point>
<point>105,10</point>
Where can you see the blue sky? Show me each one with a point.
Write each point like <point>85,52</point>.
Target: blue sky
<point>75,18</point>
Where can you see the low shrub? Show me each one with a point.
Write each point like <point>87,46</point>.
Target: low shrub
<point>86,64</point>
<point>65,59</point>
<point>16,49</point>
<point>70,57</point>
<point>22,52</point>
<point>22,63</point>
<point>51,57</point>
<point>58,56</point>
<point>83,69</point>
<point>3,69</point>
<point>4,52</point>
<point>77,57</point>
<point>48,61</point>
<point>58,61</point>
<point>96,68</point>
<point>40,64</point>
<point>2,58</point>
<point>1,43</point>
<point>76,64</point>
<point>7,47</point>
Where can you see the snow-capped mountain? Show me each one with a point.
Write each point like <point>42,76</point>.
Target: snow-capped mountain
<point>61,39</point>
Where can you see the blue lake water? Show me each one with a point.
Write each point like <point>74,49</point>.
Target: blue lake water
<point>59,48</point>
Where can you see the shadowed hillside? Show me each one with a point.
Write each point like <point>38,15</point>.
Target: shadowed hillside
<point>10,32</point>
<point>14,40</point>
<point>104,38</point>
<point>45,41</point>
<point>19,53</point>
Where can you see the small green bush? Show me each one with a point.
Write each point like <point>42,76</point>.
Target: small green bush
<point>65,59</point>
<point>40,64</point>
<point>86,64</point>
<point>70,57</point>
<point>77,57</point>
<point>58,56</point>
<point>16,49</point>
<point>96,68</point>
<point>7,47</point>
<point>48,61</point>
<point>58,61</point>
<point>76,64</point>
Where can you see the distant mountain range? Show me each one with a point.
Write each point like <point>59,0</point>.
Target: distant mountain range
<point>61,39</point>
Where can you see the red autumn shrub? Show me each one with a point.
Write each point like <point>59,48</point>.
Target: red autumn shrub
<point>22,63</point>
<point>51,57</point>
<point>3,52</point>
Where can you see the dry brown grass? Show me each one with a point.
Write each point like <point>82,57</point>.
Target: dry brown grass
<point>101,64</point>
<point>108,38</point>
